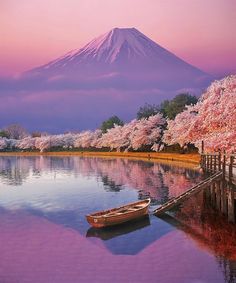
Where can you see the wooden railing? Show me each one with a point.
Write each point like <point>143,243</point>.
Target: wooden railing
<point>220,184</point>
<point>215,162</point>
<point>222,195</point>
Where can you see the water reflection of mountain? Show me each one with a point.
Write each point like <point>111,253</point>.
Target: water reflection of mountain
<point>137,239</point>
<point>156,180</point>
<point>127,239</point>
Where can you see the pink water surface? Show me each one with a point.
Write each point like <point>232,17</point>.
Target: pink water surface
<point>33,249</point>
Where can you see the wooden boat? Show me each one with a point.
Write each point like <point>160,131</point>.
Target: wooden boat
<point>119,215</point>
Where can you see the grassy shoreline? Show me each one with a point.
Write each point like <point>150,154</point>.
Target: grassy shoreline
<point>188,158</point>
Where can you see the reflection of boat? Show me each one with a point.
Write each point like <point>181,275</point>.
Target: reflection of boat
<point>107,233</point>
<point>119,215</point>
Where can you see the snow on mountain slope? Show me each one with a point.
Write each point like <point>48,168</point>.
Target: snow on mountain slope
<point>122,57</point>
<point>108,47</point>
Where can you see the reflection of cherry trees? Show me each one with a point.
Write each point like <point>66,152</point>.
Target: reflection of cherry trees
<point>176,180</point>
<point>210,230</point>
<point>151,179</point>
<point>156,180</point>
<point>212,119</point>
<point>213,230</point>
<point>14,171</point>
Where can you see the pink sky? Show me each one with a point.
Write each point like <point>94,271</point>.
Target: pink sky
<point>33,32</point>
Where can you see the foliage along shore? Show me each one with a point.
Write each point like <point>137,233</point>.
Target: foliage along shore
<point>211,119</point>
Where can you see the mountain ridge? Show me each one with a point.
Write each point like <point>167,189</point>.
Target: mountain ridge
<point>127,55</point>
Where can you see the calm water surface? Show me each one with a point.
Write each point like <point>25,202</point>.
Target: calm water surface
<point>44,236</point>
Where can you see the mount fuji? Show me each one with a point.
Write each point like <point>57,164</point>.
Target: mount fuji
<point>123,58</point>
<point>114,74</point>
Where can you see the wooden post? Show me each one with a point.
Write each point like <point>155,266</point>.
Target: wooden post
<point>207,194</point>
<point>223,166</point>
<point>219,161</point>
<point>231,168</point>
<point>211,168</point>
<point>231,205</point>
<point>218,195</point>
<point>215,164</point>
<point>208,162</point>
<point>224,206</point>
<point>213,195</point>
<point>204,162</point>
<point>202,147</point>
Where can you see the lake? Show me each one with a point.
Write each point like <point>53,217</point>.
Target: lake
<point>44,236</point>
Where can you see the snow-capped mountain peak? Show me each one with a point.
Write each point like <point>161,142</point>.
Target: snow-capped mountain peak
<point>111,44</point>
<point>122,56</point>
<point>117,45</point>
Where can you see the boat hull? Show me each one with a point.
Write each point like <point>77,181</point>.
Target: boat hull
<point>116,219</point>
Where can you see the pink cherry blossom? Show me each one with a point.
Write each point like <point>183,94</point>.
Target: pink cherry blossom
<point>212,119</point>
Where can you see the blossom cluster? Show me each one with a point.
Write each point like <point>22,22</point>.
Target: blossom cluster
<point>132,135</point>
<point>212,119</point>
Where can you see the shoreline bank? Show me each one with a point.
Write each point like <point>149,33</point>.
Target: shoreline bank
<point>188,158</point>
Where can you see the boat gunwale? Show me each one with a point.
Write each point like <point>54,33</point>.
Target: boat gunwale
<point>93,215</point>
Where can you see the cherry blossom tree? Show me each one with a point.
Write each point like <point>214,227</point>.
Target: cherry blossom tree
<point>26,143</point>
<point>15,131</point>
<point>134,135</point>
<point>147,131</point>
<point>212,119</point>
<point>3,143</point>
<point>87,139</point>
